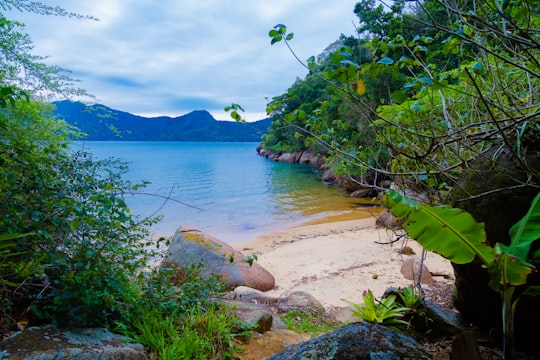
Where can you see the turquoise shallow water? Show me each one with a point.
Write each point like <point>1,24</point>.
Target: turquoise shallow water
<point>224,189</point>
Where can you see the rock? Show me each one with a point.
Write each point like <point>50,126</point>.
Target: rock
<point>258,320</point>
<point>261,346</point>
<point>289,157</point>
<point>250,313</point>
<point>387,220</point>
<point>406,250</point>
<point>49,342</point>
<point>443,322</point>
<point>298,300</point>
<point>360,340</point>
<point>191,246</point>
<point>362,193</point>
<point>247,294</point>
<point>411,269</point>
<point>344,315</point>
<point>309,157</point>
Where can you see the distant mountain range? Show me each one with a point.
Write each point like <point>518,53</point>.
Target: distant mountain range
<point>102,123</point>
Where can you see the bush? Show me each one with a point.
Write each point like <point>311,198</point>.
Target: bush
<point>82,245</point>
<point>175,314</point>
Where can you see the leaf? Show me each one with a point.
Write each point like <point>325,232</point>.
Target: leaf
<point>14,236</point>
<point>360,87</point>
<point>478,66</point>
<point>525,231</point>
<point>426,80</point>
<point>532,291</point>
<point>450,232</point>
<point>386,61</point>
<point>74,224</point>
<point>508,271</point>
<point>349,62</point>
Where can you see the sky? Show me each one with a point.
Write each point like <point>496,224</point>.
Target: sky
<point>171,57</point>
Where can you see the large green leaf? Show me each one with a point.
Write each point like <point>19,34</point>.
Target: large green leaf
<point>450,232</point>
<point>525,231</point>
<point>4,237</point>
<point>508,271</point>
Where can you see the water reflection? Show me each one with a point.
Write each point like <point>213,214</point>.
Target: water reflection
<point>299,189</point>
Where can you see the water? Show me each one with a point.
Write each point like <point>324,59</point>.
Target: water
<point>224,189</point>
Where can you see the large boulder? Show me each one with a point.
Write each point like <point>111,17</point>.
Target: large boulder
<point>49,342</point>
<point>356,341</point>
<point>192,247</point>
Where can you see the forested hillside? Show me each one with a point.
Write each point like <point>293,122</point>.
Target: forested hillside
<point>440,99</point>
<point>424,89</point>
<point>99,122</point>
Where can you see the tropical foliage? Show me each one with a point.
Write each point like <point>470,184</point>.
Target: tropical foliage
<point>454,234</point>
<point>71,252</point>
<point>421,93</point>
<point>434,89</point>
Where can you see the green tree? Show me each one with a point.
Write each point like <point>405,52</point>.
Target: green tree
<point>69,245</point>
<point>467,103</point>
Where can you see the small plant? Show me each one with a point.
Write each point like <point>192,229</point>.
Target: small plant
<point>410,298</point>
<point>204,332</point>
<point>308,321</point>
<point>174,314</point>
<point>386,311</point>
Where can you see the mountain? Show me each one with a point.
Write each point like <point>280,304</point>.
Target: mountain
<point>102,123</point>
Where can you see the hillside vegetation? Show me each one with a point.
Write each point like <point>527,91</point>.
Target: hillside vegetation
<point>98,122</point>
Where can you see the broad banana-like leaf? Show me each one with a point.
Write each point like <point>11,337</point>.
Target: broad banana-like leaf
<point>532,291</point>
<point>508,271</point>
<point>452,233</point>
<point>4,237</point>
<point>525,231</point>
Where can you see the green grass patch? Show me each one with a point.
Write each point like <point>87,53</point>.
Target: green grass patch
<point>309,321</point>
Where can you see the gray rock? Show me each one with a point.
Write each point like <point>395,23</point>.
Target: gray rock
<point>51,343</point>
<point>356,341</point>
<point>298,300</point>
<point>247,294</point>
<point>247,310</point>
<point>258,320</point>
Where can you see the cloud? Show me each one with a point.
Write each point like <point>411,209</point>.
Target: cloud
<point>171,57</point>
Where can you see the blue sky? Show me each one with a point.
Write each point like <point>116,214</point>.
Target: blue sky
<point>171,57</point>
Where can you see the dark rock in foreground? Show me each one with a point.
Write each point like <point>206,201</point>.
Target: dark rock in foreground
<point>49,342</point>
<point>356,342</point>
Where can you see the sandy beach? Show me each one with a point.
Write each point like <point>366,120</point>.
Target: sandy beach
<point>338,258</point>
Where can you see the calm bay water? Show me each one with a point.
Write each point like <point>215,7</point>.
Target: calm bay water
<point>224,189</point>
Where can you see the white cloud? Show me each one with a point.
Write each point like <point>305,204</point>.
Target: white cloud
<point>171,57</point>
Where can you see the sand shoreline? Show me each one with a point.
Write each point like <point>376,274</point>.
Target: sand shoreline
<point>337,258</point>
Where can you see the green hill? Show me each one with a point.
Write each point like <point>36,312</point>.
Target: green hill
<point>102,123</point>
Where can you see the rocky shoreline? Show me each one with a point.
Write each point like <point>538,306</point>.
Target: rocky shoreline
<point>309,157</point>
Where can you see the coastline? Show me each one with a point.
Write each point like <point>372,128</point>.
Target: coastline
<point>338,258</point>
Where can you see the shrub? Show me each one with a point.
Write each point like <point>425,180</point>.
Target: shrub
<point>82,245</point>
<point>175,314</point>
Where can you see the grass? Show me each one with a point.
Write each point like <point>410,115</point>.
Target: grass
<point>308,321</point>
